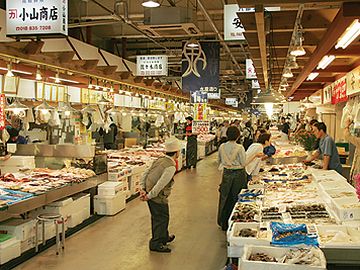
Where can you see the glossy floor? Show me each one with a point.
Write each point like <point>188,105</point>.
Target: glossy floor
<point>121,242</point>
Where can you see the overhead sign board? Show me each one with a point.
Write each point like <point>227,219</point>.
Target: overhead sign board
<point>36,17</point>
<point>339,91</point>
<point>151,65</point>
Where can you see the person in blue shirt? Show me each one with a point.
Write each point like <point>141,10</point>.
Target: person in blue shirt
<point>327,149</point>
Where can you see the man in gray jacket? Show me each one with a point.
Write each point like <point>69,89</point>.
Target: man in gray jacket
<point>156,186</point>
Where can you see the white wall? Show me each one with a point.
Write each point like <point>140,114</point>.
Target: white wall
<point>292,107</point>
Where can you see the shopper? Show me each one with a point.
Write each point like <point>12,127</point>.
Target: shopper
<point>223,136</point>
<point>327,149</point>
<point>355,168</point>
<point>191,146</point>
<point>285,127</point>
<point>255,154</point>
<point>312,125</point>
<point>300,126</point>
<point>231,159</point>
<point>248,135</point>
<point>156,186</point>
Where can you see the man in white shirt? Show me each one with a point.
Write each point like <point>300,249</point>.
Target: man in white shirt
<point>156,185</point>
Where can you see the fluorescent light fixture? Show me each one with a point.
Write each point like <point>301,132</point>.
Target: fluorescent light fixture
<point>350,34</point>
<point>284,83</point>
<point>9,72</point>
<point>312,76</point>
<point>59,80</point>
<point>325,61</point>
<point>17,71</point>
<point>38,76</point>
<point>150,3</point>
<point>288,73</point>
<point>97,87</point>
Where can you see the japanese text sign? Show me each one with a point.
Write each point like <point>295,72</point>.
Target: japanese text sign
<point>233,28</point>
<point>250,69</point>
<point>36,17</point>
<point>200,112</point>
<point>152,65</point>
<point>353,82</point>
<point>339,91</point>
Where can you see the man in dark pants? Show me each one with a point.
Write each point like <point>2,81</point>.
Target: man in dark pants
<point>156,186</point>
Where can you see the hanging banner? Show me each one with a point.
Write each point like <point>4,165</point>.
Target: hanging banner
<point>353,82</point>
<point>2,111</point>
<point>232,102</point>
<point>200,68</point>
<point>36,17</point>
<point>151,65</point>
<point>339,91</point>
<point>245,99</point>
<point>200,112</point>
<point>233,28</point>
<point>250,70</point>
<point>212,92</point>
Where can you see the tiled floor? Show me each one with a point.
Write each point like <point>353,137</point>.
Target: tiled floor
<point>121,242</point>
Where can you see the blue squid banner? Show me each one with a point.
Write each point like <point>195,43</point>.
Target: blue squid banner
<point>245,99</point>
<point>200,68</point>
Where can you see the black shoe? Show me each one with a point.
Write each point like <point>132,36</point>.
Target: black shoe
<point>163,249</point>
<point>171,238</point>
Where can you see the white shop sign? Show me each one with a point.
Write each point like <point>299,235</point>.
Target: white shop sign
<point>152,65</point>
<point>232,102</point>
<point>255,84</point>
<point>233,28</point>
<point>327,94</point>
<point>250,70</point>
<point>36,17</point>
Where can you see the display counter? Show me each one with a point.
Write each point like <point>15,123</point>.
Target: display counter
<point>322,201</point>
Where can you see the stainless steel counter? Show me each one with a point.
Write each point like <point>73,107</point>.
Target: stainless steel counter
<point>58,150</point>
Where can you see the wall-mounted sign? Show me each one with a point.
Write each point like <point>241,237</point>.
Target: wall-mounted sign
<point>36,17</point>
<point>339,91</point>
<point>327,94</point>
<point>152,65</point>
<point>233,28</point>
<point>200,67</point>
<point>353,82</point>
<point>255,84</point>
<point>250,70</point>
<point>232,102</point>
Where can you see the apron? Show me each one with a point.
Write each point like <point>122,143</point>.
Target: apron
<point>191,151</point>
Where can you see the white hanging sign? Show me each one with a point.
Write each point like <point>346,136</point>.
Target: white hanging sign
<point>233,28</point>
<point>232,102</point>
<point>151,65</point>
<point>255,84</point>
<point>250,70</point>
<point>36,17</point>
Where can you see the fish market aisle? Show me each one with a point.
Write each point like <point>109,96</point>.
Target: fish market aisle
<point>121,242</point>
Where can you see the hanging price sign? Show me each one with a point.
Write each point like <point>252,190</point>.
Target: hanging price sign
<point>2,111</point>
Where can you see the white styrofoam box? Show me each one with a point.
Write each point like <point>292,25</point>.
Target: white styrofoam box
<point>339,241</point>
<point>236,243</point>
<point>109,205</point>
<point>9,250</point>
<point>320,175</point>
<point>76,219</point>
<point>18,161</point>
<point>27,244</point>
<point>115,176</point>
<point>109,188</point>
<point>336,184</point>
<point>22,229</point>
<point>347,213</point>
<point>81,202</point>
<point>277,252</point>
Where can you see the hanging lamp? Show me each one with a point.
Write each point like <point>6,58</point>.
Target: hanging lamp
<point>150,3</point>
<point>44,107</point>
<point>16,107</point>
<point>288,73</point>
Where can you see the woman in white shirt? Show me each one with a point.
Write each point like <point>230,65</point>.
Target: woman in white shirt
<point>255,154</point>
<point>231,159</point>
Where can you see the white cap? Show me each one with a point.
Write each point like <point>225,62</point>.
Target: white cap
<point>172,145</point>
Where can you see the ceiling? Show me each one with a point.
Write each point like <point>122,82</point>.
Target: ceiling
<point>120,29</point>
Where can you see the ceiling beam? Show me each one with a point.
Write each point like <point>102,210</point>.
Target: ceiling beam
<point>260,26</point>
<point>335,69</point>
<point>353,51</point>
<point>343,19</point>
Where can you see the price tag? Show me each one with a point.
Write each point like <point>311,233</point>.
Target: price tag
<point>282,208</point>
<point>311,229</point>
